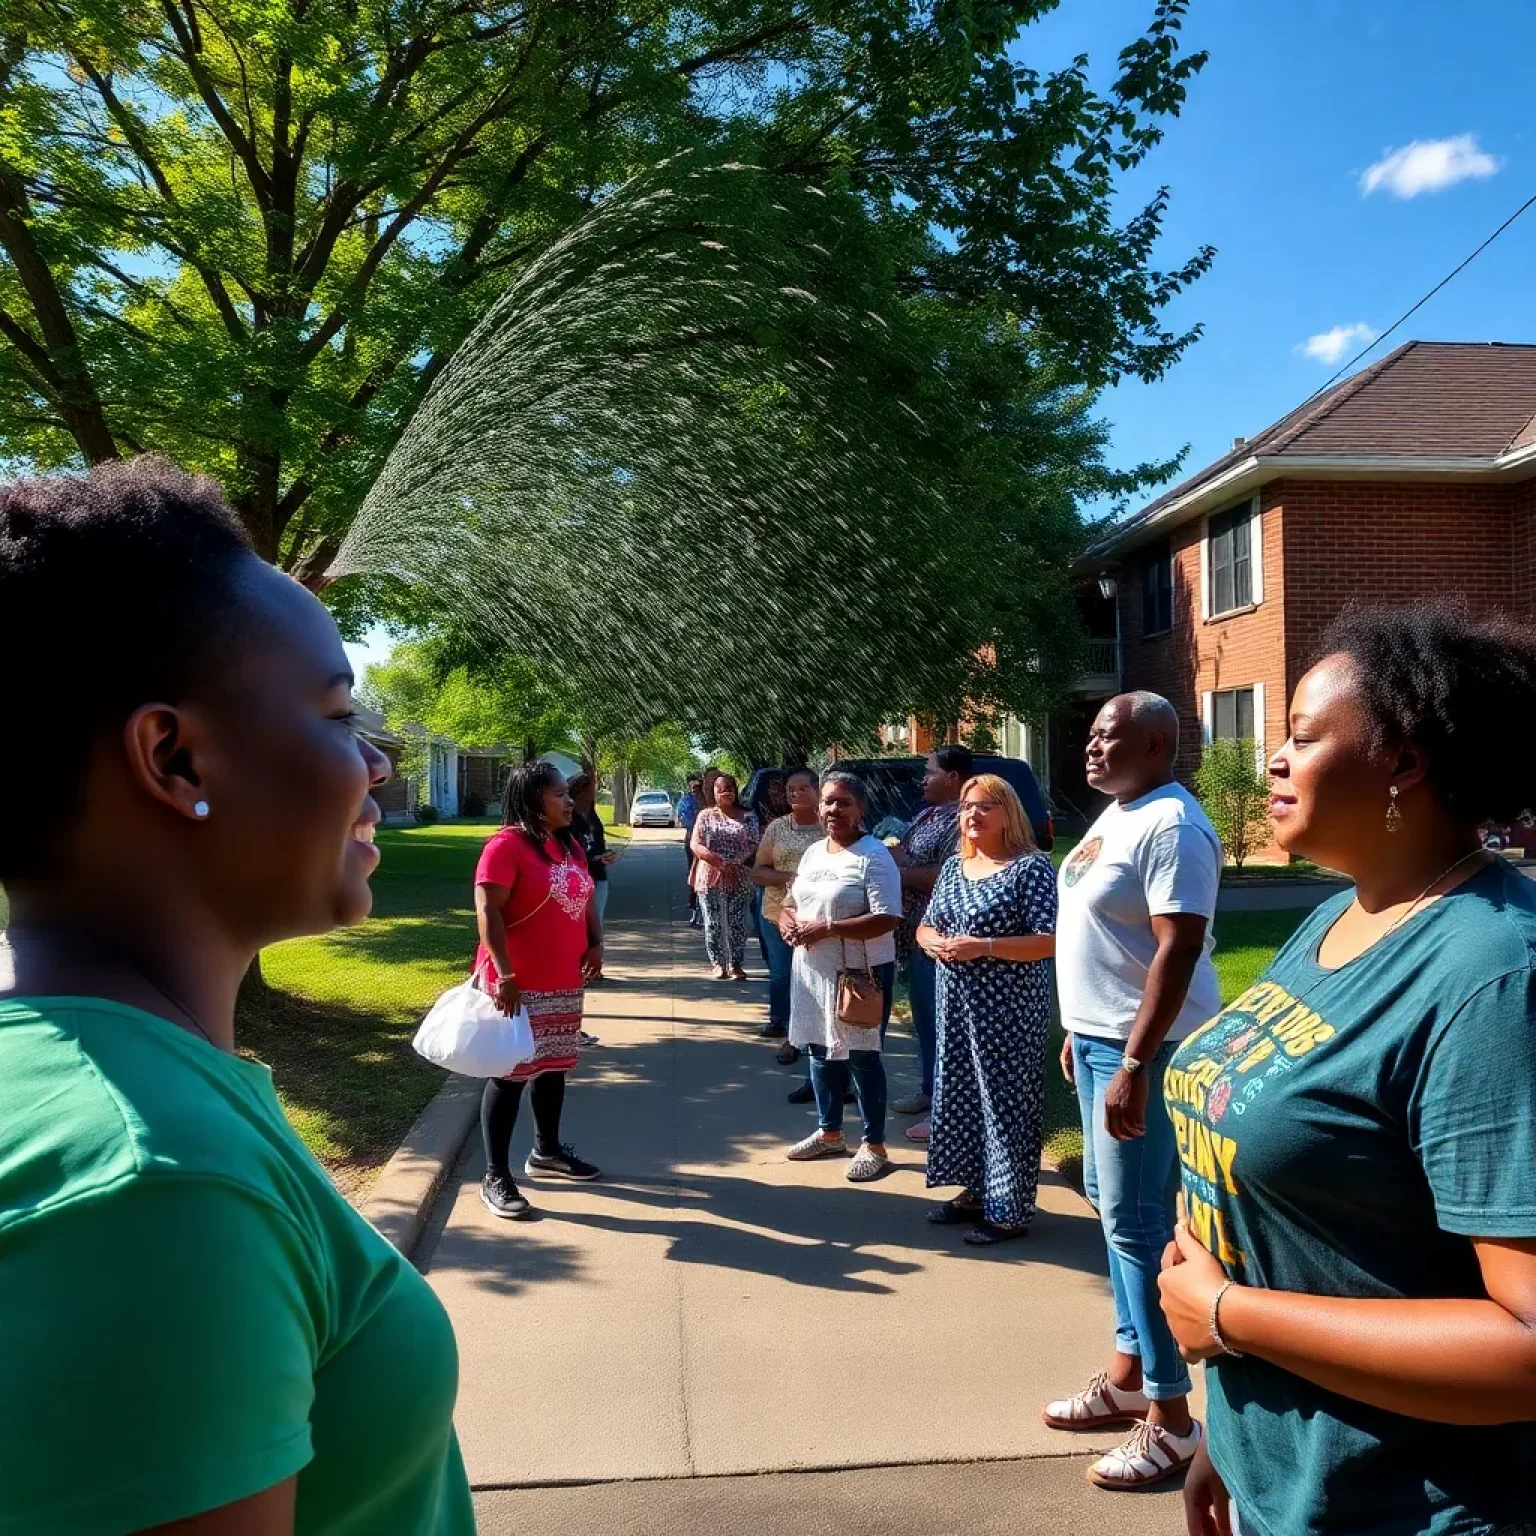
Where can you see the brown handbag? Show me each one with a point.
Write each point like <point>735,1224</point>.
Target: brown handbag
<point>860,997</point>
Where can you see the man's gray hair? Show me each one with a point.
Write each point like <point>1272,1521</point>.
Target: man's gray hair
<point>1153,712</point>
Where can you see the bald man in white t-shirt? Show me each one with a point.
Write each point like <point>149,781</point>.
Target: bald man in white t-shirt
<point>1133,967</point>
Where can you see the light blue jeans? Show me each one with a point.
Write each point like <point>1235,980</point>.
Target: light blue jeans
<point>1133,1186</point>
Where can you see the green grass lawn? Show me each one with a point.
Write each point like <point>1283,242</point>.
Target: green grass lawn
<point>336,1022</point>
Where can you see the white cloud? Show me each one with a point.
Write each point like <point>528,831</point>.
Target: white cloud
<point>1330,346</point>
<point>1428,165</point>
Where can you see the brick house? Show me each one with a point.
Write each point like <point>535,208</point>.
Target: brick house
<point>1414,478</point>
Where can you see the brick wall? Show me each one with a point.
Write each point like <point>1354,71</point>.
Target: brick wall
<point>1201,656</point>
<point>1523,538</point>
<point>484,779</point>
<point>392,795</point>
<point>1325,544</point>
<point>1399,543</point>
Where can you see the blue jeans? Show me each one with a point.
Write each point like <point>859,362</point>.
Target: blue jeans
<point>829,1079</point>
<point>922,988</point>
<point>781,966</point>
<point>760,926</point>
<point>1133,1186</point>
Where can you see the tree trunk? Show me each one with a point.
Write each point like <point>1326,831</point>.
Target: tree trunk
<point>623,792</point>
<point>57,361</point>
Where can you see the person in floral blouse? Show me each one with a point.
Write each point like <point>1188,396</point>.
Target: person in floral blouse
<point>725,839</point>
<point>930,842</point>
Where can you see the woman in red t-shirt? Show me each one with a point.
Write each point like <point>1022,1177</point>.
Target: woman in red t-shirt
<point>540,941</point>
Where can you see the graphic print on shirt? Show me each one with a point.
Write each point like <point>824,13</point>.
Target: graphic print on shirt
<point>1082,860</point>
<point>1217,1076</point>
<point>571,886</point>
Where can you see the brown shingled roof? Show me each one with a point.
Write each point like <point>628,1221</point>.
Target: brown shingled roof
<point>1426,399</point>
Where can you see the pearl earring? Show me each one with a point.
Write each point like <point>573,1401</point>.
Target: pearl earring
<point>200,810</point>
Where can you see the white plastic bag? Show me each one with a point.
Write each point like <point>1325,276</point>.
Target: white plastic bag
<point>466,1032</point>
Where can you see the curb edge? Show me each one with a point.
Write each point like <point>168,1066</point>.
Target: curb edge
<point>401,1200</point>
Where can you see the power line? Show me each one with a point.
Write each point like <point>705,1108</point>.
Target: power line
<point>1371,346</point>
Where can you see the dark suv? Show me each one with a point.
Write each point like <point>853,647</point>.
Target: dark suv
<point>896,788</point>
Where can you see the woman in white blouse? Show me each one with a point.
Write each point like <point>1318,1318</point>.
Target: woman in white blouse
<point>842,913</point>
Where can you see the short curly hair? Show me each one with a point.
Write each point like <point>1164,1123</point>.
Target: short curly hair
<point>1461,688</point>
<point>115,590</point>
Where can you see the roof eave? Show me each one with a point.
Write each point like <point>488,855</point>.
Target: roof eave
<point>1248,475</point>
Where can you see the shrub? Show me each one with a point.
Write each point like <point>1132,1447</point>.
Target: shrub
<point>1234,789</point>
<point>427,813</point>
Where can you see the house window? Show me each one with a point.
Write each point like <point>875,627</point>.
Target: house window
<point>1230,567</point>
<point>1157,591</point>
<point>1232,717</point>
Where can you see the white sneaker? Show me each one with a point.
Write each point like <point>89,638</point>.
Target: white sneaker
<point>1097,1405</point>
<point>1149,1455</point>
<point>867,1164</point>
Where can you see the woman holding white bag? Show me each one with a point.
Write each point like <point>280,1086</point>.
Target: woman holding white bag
<point>540,941</point>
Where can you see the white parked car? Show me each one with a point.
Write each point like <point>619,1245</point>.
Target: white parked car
<point>653,808</point>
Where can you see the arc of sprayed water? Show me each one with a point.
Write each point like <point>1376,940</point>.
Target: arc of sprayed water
<point>643,373</point>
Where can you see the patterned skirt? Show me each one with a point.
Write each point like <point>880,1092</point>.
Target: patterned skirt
<point>556,1021</point>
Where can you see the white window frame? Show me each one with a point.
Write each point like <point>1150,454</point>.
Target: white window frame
<point>1255,559</point>
<point>1208,719</point>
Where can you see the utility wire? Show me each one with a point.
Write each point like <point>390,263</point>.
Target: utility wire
<point>1371,346</point>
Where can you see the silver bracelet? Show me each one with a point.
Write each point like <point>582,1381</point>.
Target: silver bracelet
<point>1213,1324</point>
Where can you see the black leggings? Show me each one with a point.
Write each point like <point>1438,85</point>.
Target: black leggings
<point>498,1115</point>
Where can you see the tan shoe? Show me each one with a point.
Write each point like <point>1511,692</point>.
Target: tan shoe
<point>1097,1405</point>
<point>1149,1455</point>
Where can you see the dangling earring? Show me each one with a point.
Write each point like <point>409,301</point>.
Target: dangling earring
<point>200,810</point>
<point>1394,816</point>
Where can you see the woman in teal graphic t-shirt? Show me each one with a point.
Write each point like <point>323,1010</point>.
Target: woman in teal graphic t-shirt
<point>196,1331</point>
<point>1357,1255</point>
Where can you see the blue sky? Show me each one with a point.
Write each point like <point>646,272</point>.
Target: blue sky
<point>1270,163</point>
<point>1299,101</point>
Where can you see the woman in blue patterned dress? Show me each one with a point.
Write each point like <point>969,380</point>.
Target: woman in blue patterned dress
<point>991,928</point>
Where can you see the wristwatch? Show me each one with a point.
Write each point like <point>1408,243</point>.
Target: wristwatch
<point>1130,1064</point>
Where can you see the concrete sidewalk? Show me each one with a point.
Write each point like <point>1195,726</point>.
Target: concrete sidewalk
<point>711,1311</point>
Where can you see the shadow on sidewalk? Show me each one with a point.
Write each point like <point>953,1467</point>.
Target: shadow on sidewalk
<point>679,1122</point>
<point>666,1119</point>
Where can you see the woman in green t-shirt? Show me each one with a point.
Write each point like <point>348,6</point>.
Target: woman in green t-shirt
<point>196,1329</point>
<point>1357,1254</point>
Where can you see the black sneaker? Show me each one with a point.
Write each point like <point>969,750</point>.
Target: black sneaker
<point>564,1164</point>
<point>502,1197</point>
<point>804,1094</point>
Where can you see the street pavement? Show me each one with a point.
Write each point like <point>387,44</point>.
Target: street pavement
<point>715,1337</point>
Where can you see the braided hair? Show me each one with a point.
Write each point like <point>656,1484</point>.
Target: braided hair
<point>522,807</point>
<point>1457,686</point>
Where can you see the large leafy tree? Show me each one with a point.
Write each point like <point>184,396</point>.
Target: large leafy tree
<point>251,233</point>
<point>422,691</point>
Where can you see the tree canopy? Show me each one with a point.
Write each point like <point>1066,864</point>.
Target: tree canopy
<point>254,234</point>
<point>248,234</point>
